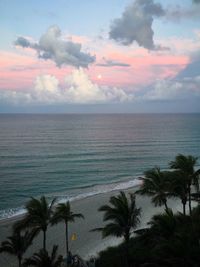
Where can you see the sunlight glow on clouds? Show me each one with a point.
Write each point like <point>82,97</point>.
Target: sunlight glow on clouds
<point>142,52</point>
<point>78,89</point>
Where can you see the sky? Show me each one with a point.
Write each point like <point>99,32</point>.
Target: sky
<point>100,56</point>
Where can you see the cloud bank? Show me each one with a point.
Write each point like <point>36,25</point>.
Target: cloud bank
<point>51,46</point>
<point>135,24</point>
<point>78,89</point>
<point>186,88</point>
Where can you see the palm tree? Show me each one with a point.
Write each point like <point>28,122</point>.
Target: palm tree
<point>195,217</point>
<point>64,213</point>
<point>177,229</point>
<point>155,185</point>
<point>186,166</point>
<point>43,259</point>
<point>124,216</point>
<point>38,216</point>
<point>17,244</point>
<point>179,187</point>
<point>163,225</point>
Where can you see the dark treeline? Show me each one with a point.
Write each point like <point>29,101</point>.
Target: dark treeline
<point>170,239</point>
<point>40,214</point>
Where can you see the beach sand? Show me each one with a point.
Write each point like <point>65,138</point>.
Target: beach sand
<point>87,243</point>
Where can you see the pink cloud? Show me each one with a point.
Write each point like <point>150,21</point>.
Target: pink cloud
<point>80,39</point>
<point>19,69</point>
<point>144,67</point>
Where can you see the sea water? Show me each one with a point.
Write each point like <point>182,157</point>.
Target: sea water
<point>71,156</point>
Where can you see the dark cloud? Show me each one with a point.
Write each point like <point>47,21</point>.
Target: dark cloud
<point>112,63</point>
<point>192,69</point>
<point>178,13</point>
<point>62,52</point>
<point>135,24</point>
<point>23,42</point>
<point>185,85</point>
<point>196,1</point>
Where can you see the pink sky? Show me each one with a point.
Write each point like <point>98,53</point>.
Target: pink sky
<point>18,70</point>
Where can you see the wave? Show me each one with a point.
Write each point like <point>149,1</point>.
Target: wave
<point>77,195</point>
<point>10,213</point>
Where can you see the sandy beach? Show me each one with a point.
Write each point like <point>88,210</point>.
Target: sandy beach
<point>87,243</point>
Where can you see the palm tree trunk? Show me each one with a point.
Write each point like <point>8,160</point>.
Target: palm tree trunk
<point>67,242</point>
<point>184,211</point>
<point>127,253</point>
<point>165,203</point>
<point>20,260</point>
<point>184,204</point>
<point>127,238</point>
<point>189,196</point>
<point>44,240</point>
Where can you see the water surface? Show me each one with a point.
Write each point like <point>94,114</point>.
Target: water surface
<point>78,155</point>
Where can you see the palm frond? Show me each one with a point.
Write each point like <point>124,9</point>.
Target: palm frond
<point>43,259</point>
<point>121,215</point>
<point>155,184</point>
<point>63,213</point>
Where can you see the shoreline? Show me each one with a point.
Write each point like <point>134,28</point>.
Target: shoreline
<point>96,190</point>
<point>88,243</point>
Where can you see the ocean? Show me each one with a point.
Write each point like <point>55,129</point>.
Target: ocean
<point>71,156</point>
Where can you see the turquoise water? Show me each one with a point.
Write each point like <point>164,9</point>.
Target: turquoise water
<point>72,156</point>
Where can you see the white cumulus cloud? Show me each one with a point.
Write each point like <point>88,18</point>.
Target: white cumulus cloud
<point>188,87</point>
<point>46,90</point>
<point>78,89</point>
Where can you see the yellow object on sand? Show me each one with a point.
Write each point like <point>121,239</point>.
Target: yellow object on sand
<point>74,237</point>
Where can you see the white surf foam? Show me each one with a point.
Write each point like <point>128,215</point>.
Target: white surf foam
<point>88,192</point>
